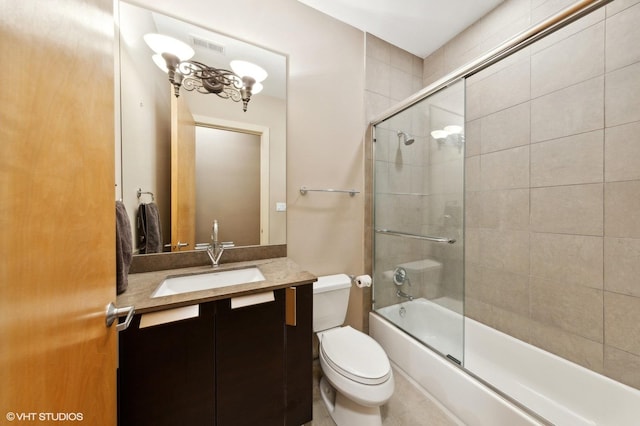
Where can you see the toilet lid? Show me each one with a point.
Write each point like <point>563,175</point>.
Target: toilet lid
<point>355,355</point>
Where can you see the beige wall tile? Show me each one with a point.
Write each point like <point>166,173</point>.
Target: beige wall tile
<point>575,209</point>
<point>542,10</point>
<point>401,59</point>
<point>575,27</point>
<point>622,204</point>
<point>505,250</point>
<point>622,96</point>
<point>619,5</point>
<point>576,109</point>
<point>572,259</point>
<point>623,33</point>
<point>499,91</point>
<point>514,324</point>
<point>573,308</point>
<point>575,59</point>
<point>571,160</point>
<point>378,49</point>
<point>622,366</point>
<point>472,174</point>
<point>575,348</point>
<point>622,265</point>
<point>505,209</point>
<point>622,322</point>
<point>447,178</point>
<point>378,77</point>
<point>472,245</point>
<point>416,69</point>
<point>505,169</point>
<point>504,289</point>
<point>521,55</point>
<point>401,84</point>
<point>622,152</point>
<point>506,129</point>
<point>433,67</point>
<point>375,104</point>
<point>472,131</point>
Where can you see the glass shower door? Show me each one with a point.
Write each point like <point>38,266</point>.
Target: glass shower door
<point>418,220</point>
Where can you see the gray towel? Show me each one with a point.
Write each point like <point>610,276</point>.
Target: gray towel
<point>149,229</point>
<point>124,247</point>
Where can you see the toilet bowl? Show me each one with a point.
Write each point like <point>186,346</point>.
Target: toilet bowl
<point>357,376</point>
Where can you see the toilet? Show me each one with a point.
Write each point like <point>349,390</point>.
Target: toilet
<point>357,377</point>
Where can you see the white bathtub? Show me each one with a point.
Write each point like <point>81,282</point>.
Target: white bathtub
<point>557,390</point>
<point>435,325</point>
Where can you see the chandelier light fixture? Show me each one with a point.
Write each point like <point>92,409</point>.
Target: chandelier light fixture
<point>174,57</point>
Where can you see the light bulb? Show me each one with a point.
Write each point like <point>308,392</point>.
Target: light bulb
<point>256,88</point>
<point>439,134</point>
<point>160,62</point>
<point>247,69</point>
<point>161,43</point>
<point>453,129</point>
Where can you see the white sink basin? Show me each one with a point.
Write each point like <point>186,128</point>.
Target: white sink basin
<point>207,281</point>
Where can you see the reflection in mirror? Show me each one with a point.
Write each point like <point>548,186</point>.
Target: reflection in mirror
<point>191,189</point>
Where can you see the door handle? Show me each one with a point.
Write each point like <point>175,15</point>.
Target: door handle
<point>114,313</point>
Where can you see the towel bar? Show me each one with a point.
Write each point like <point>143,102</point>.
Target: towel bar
<point>351,192</point>
<point>139,193</point>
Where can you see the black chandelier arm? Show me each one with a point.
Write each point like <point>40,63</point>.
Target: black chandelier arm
<point>196,76</point>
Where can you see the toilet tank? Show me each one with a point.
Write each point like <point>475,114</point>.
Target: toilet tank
<point>330,301</point>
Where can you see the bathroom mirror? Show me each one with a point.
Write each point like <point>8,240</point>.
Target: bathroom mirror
<point>146,159</point>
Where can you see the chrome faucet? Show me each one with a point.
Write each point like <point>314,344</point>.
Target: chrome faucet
<point>400,277</point>
<point>215,248</point>
<point>401,293</point>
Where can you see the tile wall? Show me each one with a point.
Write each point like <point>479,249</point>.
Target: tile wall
<point>553,192</point>
<point>392,74</point>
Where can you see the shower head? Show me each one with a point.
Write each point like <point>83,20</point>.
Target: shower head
<point>408,140</point>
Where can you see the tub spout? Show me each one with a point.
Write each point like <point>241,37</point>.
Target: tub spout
<point>401,293</point>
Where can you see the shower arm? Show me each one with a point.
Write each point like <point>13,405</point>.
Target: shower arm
<point>416,236</point>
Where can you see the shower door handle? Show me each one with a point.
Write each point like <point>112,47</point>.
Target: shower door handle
<point>416,236</point>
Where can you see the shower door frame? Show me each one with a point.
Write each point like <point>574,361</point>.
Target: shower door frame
<point>513,45</point>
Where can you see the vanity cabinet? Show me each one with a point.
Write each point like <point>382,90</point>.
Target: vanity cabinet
<point>166,373</point>
<point>227,367</point>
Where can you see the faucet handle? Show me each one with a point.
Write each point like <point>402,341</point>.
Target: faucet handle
<point>227,244</point>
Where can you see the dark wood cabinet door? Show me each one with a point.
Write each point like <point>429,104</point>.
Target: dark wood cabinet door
<point>298,361</point>
<point>167,374</point>
<point>250,364</point>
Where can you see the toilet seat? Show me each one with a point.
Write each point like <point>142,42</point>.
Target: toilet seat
<point>355,355</point>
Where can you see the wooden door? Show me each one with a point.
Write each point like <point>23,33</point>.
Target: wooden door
<point>57,213</point>
<point>183,181</point>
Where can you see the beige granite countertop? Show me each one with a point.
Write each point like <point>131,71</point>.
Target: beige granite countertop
<point>279,273</point>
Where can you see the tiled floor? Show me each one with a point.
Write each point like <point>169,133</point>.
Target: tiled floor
<point>409,406</point>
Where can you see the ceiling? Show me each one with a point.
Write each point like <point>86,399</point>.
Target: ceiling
<point>417,26</point>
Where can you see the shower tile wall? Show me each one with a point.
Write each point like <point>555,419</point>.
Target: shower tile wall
<point>553,191</point>
<point>392,74</point>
